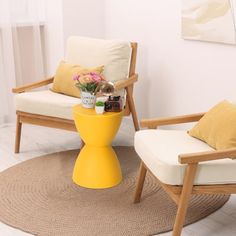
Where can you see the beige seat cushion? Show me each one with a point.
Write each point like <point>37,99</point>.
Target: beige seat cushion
<point>46,103</point>
<point>159,150</point>
<point>49,103</point>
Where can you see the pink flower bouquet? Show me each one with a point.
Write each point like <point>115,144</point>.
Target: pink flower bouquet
<point>89,82</point>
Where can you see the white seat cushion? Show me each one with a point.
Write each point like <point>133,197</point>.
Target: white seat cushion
<point>90,52</point>
<point>159,150</point>
<point>46,103</point>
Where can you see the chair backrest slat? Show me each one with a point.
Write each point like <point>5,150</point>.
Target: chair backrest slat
<point>134,47</point>
<point>133,58</point>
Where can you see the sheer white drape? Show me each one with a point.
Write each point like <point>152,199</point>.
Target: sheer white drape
<point>21,53</point>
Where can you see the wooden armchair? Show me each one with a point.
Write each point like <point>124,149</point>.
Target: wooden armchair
<point>182,175</point>
<point>33,107</point>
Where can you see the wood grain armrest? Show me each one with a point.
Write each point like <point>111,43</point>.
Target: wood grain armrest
<point>207,156</point>
<point>32,86</point>
<point>153,123</point>
<point>126,82</point>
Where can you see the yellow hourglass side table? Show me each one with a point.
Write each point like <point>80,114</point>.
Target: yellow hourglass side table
<point>97,165</point>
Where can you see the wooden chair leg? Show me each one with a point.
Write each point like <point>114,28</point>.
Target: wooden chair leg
<point>132,108</point>
<point>18,134</point>
<point>184,198</point>
<point>140,183</point>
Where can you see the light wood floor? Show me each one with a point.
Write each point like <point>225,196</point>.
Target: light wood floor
<point>38,141</point>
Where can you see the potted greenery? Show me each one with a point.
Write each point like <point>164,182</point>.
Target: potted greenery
<point>99,107</point>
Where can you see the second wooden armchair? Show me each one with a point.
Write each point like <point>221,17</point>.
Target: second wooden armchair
<point>182,165</point>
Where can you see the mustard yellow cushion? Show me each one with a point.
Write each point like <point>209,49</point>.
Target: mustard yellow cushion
<point>218,126</point>
<point>63,80</point>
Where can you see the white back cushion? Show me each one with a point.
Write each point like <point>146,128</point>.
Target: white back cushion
<point>90,52</point>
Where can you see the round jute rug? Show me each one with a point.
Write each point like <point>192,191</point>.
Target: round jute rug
<point>38,196</point>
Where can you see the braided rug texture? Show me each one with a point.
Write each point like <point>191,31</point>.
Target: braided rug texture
<point>39,197</point>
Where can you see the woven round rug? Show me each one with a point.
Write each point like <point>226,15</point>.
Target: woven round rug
<point>39,197</point>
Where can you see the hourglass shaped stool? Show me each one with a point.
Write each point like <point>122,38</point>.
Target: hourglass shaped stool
<point>97,165</point>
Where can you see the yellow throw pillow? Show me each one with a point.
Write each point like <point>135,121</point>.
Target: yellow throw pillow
<point>63,79</point>
<point>218,126</point>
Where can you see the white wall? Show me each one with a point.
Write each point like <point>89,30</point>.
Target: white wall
<point>70,17</point>
<point>83,17</point>
<point>176,76</point>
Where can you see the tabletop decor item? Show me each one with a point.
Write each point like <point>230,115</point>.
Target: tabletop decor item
<point>113,104</point>
<point>99,107</point>
<point>88,83</point>
<point>106,88</point>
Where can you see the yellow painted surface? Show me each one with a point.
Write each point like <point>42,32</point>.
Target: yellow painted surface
<point>97,165</point>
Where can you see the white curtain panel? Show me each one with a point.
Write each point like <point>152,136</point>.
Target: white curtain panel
<point>21,52</point>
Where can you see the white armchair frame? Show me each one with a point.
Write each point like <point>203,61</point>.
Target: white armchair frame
<point>181,194</point>
<point>59,123</point>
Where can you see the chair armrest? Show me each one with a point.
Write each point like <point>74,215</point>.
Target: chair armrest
<point>153,123</point>
<point>126,82</point>
<point>191,158</point>
<point>32,86</point>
